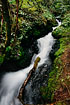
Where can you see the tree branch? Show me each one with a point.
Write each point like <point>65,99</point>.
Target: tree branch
<point>27,79</point>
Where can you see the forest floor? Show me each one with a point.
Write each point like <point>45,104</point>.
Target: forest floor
<point>63,93</point>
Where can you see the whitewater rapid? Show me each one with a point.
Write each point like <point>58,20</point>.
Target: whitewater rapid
<point>11,82</point>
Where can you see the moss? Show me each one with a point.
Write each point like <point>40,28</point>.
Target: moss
<point>48,15</point>
<point>2,58</point>
<point>64,29</point>
<point>62,34</point>
<point>64,43</point>
<point>60,103</point>
<point>53,82</point>
<point>36,62</point>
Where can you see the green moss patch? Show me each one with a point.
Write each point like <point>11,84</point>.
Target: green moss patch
<point>64,43</point>
<point>53,82</point>
<point>64,29</point>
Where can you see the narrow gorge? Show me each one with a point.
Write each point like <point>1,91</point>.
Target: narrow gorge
<point>12,82</point>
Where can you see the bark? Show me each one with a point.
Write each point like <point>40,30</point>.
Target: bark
<point>27,79</point>
<point>7,20</point>
<point>1,20</point>
<point>16,31</point>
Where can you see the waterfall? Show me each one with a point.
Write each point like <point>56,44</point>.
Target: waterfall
<point>11,82</point>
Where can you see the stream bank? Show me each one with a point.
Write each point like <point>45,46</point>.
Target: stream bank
<point>58,90</point>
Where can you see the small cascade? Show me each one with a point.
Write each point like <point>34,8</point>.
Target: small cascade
<point>11,82</point>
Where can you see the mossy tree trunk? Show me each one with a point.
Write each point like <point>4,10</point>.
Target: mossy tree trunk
<point>7,20</point>
<point>27,79</point>
<point>17,10</point>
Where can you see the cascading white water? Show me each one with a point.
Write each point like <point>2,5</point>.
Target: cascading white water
<point>12,81</point>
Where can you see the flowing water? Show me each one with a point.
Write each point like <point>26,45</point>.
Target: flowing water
<point>11,82</point>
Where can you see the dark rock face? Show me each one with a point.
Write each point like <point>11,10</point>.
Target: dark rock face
<point>32,94</point>
<point>55,48</point>
<point>8,66</point>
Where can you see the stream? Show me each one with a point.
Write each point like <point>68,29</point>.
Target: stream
<point>12,82</point>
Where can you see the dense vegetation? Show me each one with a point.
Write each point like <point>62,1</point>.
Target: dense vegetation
<point>21,24</point>
<point>24,21</point>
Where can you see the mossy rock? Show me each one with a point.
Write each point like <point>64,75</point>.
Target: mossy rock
<point>64,43</point>
<point>61,32</point>
<point>53,82</point>
<point>64,29</point>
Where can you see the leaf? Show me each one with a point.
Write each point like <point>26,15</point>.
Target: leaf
<point>8,48</point>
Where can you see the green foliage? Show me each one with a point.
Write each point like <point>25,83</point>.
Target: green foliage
<point>66,2</point>
<point>31,5</point>
<point>59,7</point>
<point>66,20</point>
<point>12,1</point>
<point>61,32</point>
<point>56,6</point>
<point>63,44</point>
<point>2,58</point>
<point>48,15</point>
<point>8,48</point>
<point>64,29</point>
<point>37,32</point>
<point>32,9</point>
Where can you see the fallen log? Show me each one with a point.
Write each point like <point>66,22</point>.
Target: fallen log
<point>27,79</point>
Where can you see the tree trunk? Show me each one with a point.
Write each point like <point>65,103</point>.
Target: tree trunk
<point>16,30</point>
<point>27,79</point>
<point>7,20</point>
